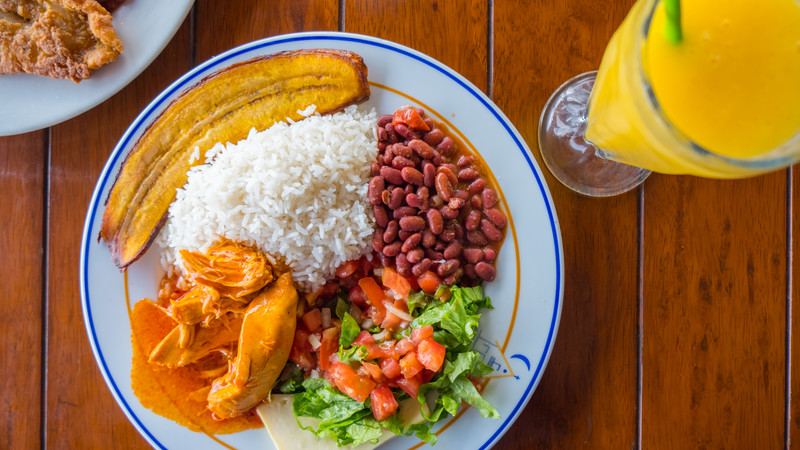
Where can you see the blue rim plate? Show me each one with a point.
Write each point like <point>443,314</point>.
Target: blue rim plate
<point>515,338</point>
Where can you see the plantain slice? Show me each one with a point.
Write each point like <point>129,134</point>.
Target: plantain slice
<point>222,107</point>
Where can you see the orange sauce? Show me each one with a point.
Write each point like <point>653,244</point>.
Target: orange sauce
<point>177,394</point>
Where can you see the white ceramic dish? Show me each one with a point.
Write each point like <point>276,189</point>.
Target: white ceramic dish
<point>32,102</point>
<point>515,338</point>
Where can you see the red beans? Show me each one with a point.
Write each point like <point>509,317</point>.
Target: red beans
<point>433,137</point>
<point>489,197</point>
<point>374,190</point>
<point>421,148</point>
<point>486,271</point>
<point>443,186</point>
<point>391,175</point>
<point>468,174</point>
<point>433,208</point>
<point>412,223</point>
<point>381,216</point>
<point>496,216</point>
<point>435,221</point>
<point>412,175</point>
<point>490,231</point>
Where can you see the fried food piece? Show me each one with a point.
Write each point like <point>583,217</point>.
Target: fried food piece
<point>231,269</point>
<point>264,344</point>
<point>223,107</point>
<point>59,39</point>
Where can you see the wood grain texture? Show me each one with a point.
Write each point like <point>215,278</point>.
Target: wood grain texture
<point>22,182</point>
<point>587,396</point>
<point>714,313</point>
<point>455,33</point>
<point>793,431</point>
<point>224,25</point>
<point>81,413</point>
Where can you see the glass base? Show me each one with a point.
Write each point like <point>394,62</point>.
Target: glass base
<point>573,160</point>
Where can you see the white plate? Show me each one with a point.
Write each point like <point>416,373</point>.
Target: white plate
<point>31,102</point>
<point>526,294</point>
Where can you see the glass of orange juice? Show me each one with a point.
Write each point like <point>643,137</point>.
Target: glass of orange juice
<point>724,102</point>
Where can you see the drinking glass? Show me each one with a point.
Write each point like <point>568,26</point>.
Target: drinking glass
<point>602,133</point>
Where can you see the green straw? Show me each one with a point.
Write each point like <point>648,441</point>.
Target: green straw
<point>673,29</point>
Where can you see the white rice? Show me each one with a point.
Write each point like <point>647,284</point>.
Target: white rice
<point>297,192</point>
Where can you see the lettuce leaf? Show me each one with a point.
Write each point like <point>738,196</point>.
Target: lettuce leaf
<point>350,330</point>
<point>455,323</point>
<point>454,387</point>
<point>345,420</point>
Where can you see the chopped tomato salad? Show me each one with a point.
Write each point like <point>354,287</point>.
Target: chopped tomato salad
<point>377,338</point>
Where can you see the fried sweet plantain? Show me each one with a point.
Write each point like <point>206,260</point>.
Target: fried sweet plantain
<point>222,107</point>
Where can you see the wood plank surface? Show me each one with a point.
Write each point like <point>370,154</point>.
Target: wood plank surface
<point>676,329</point>
<point>229,24</point>
<point>714,313</point>
<point>455,33</point>
<point>793,419</point>
<point>22,182</point>
<point>81,413</point>
<point>538,46</point>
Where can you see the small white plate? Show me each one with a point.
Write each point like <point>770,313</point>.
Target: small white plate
<point>515,338</point>
<point>31,102</point>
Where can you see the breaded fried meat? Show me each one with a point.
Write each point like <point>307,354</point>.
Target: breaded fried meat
<point>60,39</point>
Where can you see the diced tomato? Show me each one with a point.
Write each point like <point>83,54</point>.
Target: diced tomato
<point>374,293</point>
<point>357,387</point>
<point>431,354</point>
<point>304,360</point>
<point>374,371</point>
<point>396,282</point>
<point>383,402</point>
<point>427,375</point>
<point>328,375</point>
<point>357,296</point>
<point>410,365</point>
<point>411,117</point>
<point>347,268</point>
<point>391,322</point>
<point>329,289</point>
<point>429,282</point>
<point>366,339</point>
<point>377,316</point>
<point>402,347</point>
<point>390,367</point>
<point>330,345</point>
<point>387,348</point>
<point>300,343</point>
<point>418,334</point>
<point>409,385</point>
<point>312,319</point>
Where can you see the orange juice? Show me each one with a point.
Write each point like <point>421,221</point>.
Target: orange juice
<point>727,98</point>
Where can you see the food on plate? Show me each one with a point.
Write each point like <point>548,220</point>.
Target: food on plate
<point>262,351</point>
<point>218,352</point>
<point>274,210</point>
<point>297,191</point>
<point>324,274</point>
<point>280,421</point>
<point>397,325</point>
<point>221,108</point>
<point>60,38</point>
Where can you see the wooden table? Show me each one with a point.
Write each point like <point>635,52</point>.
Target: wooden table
<point>676,329</point>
